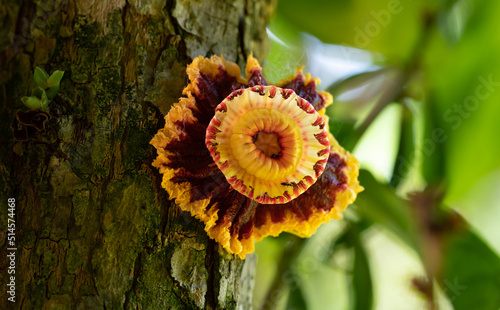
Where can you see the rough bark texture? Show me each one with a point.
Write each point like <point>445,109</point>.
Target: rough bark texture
<point>94,229</point>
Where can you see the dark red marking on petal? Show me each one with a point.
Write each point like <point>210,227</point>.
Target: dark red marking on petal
<point>335,166</point>
<point>224,165</point>
<point>215,122</point>
<point>322,138</point>
<point>272,92</point>
<point>242,220</point>
<point>195,160</point>
<point>250,194</point>
<point>308,92</point>
<point>302,185</point>
<point>319,167</point>
<point>287,196</point>
<point>309,179</point>
<point>239,185</point>
<point>301,213</point>
<point>213,91</point>
<point>256,78</point>
<point>278,214</point>
<point>266,199</point>
<point>261,215</point>
<point>258,89</point>
<point>208,96</point>
<point>196,166</point>
<point>212,149</point>
<point>319,122</point>
<point>212,186</point>
<point>235,94</point>
<point>246,230</point>
<point>221,107</point>
<point>321,102</point>
<point>210,136</point>
<point>304,105</point>
<point>233,207</point>
<point>324,152</point>
<point>286,93</point>
<point>212,129</point>
<point>185,174</point>
<point>190,147</point>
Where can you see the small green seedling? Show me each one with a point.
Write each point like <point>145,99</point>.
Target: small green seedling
<point>46,88</point>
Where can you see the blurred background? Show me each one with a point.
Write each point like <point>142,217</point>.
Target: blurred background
<point>416,88</point>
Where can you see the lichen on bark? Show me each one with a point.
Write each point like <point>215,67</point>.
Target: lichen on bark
<point>94,227</point>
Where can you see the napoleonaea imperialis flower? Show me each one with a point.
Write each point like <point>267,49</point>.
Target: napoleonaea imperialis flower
<point>252,160</point>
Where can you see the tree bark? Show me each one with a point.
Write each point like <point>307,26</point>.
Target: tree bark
<point>94,229</point>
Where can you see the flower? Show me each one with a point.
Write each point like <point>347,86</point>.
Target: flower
<point>251,160</point>
<point>269,143</point>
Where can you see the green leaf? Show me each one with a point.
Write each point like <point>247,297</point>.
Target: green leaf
<point>37,92</point>
<point>344,115</point>
<point>296,300</point>
<point>433,148</point>
<point>389,27</point>
<point>42,97</point>
<point>282,60</point>
<point>33,103</point>
<point>454,17</point>
<point>406,152</point>
<point>55,78</point>
<point>52,92</point>
<point>379,204</point>
<point>354,81</point>
<point>465,93</point>
<point>341,129</point>
<point>362,286</point>
<point>40,77</point>
<point>44,101</point>
<point>471,272</point>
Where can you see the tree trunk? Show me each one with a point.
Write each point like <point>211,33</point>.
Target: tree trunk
<point>93,227</point>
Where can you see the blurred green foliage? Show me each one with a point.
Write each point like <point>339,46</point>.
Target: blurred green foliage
<point>437,60</point>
